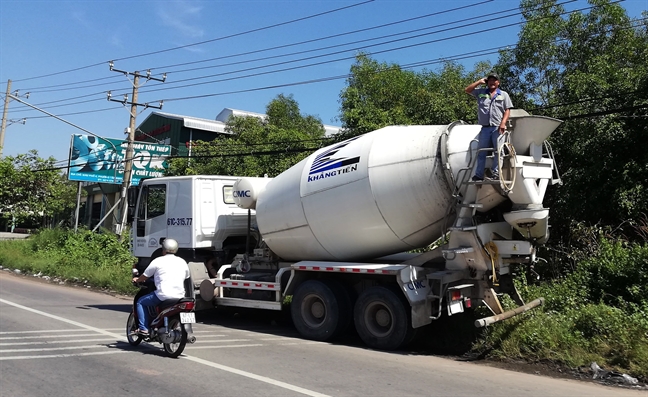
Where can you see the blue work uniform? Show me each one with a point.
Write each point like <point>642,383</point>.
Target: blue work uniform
<point>490,111</point>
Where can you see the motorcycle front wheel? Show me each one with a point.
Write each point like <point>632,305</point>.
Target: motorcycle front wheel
<point>173,350</point>
<point>131,327</point>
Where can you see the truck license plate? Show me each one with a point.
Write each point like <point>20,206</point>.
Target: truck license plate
<point>455,307</point>
<point>186,318</point>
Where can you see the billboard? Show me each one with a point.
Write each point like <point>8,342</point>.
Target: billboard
<point>94,159</point>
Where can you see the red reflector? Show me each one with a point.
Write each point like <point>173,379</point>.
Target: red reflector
<point>455,295</point>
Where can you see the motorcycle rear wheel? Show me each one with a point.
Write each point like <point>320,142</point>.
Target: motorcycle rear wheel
<point>173,350</point>
<point>132,326</point>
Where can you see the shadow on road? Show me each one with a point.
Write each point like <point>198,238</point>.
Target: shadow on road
<point>114,308</point>
<point>152,349</point>
<point>451,337</point>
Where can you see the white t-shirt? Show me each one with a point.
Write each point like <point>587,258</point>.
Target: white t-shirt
<point>169,273</point>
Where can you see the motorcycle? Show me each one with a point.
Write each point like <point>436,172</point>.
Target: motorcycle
<point>170,324</point>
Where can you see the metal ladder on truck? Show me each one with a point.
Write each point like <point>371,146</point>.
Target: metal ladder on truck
<point>464,245</point>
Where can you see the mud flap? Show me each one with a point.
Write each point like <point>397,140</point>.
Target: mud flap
<point>421,314</point>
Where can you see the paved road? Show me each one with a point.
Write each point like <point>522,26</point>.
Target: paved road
<point>57,340</point>
<point>12,236</point>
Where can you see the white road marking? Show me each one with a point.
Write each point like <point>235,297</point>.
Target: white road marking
<point>63,355</point>
<point>221,367</point>
<point>226,340</point>
<point>65,320</point>
<point>55,341</point>
<point>42,331</point>
<point>256,377</point>
<point>221,346</point>
<point>212,336</point>
<point>47,349</point>
<point>41,336</point>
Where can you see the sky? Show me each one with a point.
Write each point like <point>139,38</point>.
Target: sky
<point>220,54</point>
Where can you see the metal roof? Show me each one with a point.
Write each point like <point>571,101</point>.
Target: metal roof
<point>196,123</point>
<point>219,124</point>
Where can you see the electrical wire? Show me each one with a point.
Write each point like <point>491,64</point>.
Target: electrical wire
<point>203,42</point>
<point>303,66</point>
<point>39,89</point>
<point>167,87</point>
<point>344,44</point>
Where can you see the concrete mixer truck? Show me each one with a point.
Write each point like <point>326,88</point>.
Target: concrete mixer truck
<point>342,235</point>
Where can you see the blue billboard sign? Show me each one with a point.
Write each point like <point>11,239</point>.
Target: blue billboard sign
<point>94,159</point>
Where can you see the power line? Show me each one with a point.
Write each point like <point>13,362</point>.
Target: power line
<point>333,53</point>
<point>301,150</point>
<point>320,39</point>
<point>354,49</point>
<point>417,64</point>
<point>38,89</point>
<point>203,42</point>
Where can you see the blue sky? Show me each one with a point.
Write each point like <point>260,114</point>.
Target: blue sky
<point>44,38</point>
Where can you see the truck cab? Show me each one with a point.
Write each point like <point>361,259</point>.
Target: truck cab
<point>197,211</point>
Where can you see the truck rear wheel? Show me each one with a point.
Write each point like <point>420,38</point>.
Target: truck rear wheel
<point>321,310</point>
<point>382,319</point>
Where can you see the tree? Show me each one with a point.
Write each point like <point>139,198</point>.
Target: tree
<point>257,146</point>
<point>27,194</point>
<point>590,70</point>
<point>378,94</point>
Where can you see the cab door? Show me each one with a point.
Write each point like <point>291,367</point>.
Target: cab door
<point>151,220</point>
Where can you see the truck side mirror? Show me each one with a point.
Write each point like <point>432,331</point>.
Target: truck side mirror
<point>131,196</point>
<point>133,192</point>
<point>130,214</point>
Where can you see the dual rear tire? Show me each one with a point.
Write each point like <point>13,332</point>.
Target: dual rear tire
<point>322,310</point>
<point>383,319</point>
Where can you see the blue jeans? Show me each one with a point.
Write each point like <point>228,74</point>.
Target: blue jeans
<point>487,139</point>
<point>143,313</point>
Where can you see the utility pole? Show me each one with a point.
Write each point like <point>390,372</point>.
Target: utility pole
<point>3,127</point>
<point>128,158</point>
<point>4,116</point>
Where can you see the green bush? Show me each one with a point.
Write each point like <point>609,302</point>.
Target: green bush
<point>618,274</point>
<point>99,258</point>
<point>599,313</point>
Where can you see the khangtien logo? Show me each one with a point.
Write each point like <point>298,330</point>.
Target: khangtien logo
<point>327,164</point>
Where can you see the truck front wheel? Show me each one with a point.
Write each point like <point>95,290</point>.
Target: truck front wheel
<point>382,319</point>
<point>320,310</point>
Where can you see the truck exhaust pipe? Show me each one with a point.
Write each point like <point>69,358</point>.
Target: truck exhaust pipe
<point>484,322</point>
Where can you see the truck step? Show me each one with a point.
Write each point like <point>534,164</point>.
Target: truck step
<point>485,182</point>
<point>471,205</point>
<point>458,250</point>
<point>462,228</point>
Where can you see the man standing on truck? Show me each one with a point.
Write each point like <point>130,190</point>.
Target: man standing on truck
<point>169,273</point>
<point>493,110</point>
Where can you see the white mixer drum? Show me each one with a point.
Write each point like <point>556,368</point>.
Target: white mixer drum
<point>373,195</point>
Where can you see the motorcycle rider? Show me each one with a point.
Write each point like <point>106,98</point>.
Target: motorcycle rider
<point>169,272</point>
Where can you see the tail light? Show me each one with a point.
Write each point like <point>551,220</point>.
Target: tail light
<point>455,295</point>
<point>187,305</point>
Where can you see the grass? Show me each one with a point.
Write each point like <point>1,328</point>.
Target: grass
<point>99,259</point>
